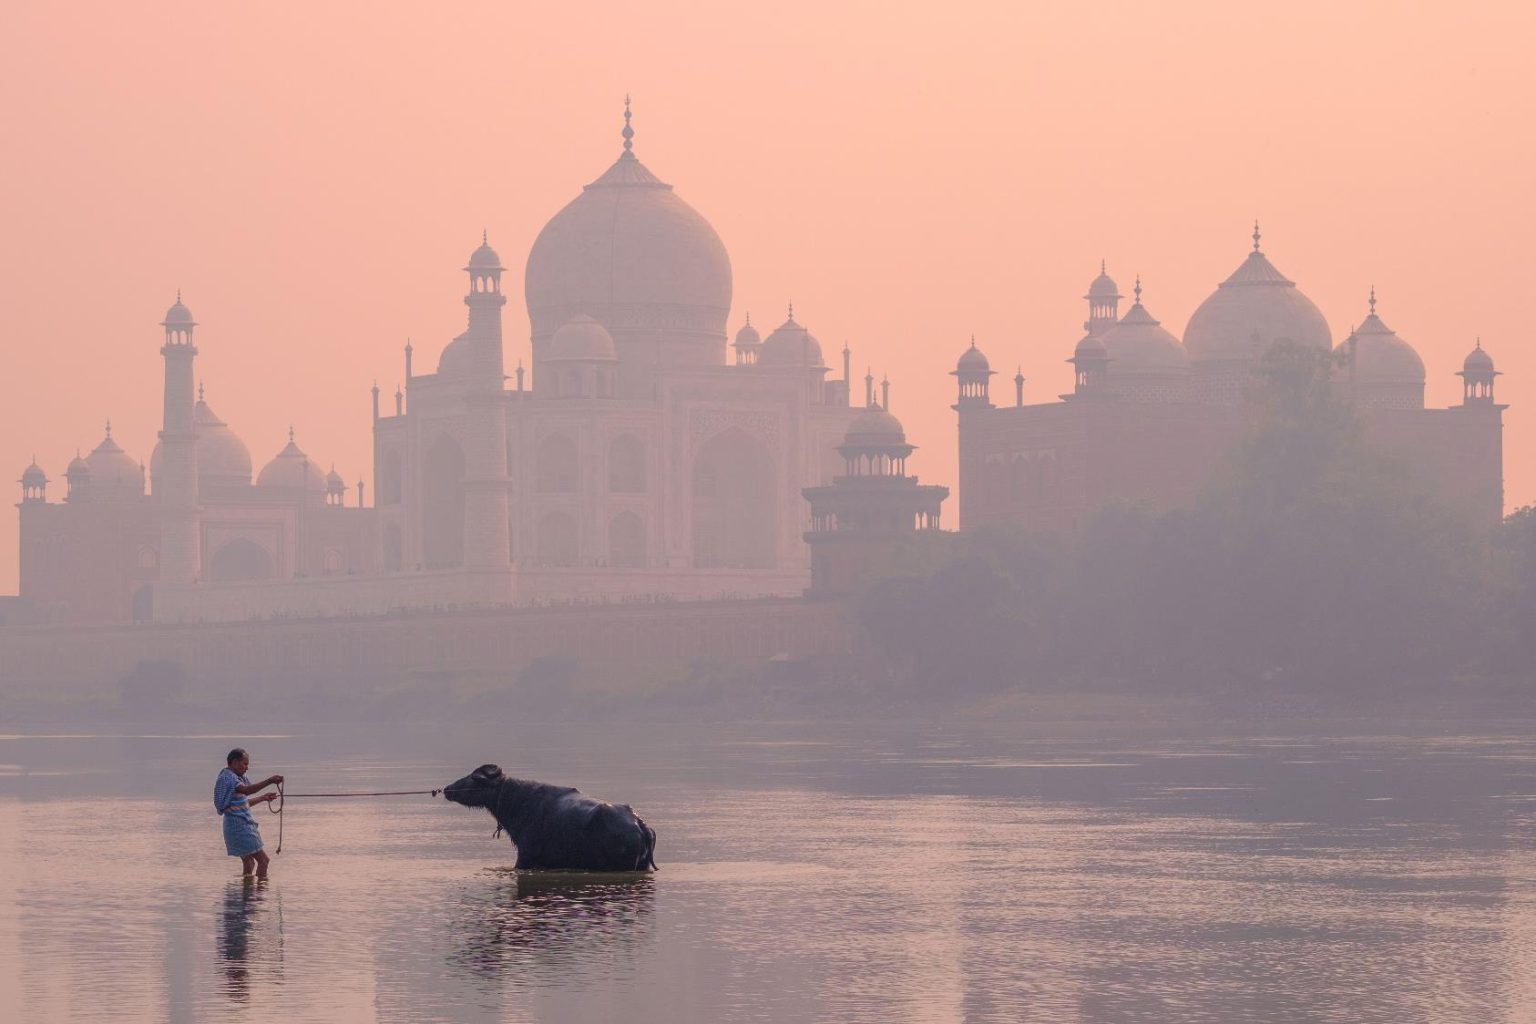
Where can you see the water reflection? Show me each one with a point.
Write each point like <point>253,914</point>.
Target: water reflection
<point>250,940</point>
<point>888,877</point>
<point>534,926</point>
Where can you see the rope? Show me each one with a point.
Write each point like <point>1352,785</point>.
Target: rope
<point>278,810</point>
<point>387,792</point>
<point>276,806</point>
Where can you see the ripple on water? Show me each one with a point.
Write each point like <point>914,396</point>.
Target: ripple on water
<point>798,885</point>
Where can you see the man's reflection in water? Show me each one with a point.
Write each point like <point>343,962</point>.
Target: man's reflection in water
<point>250,935</point>
<point>534,926</point>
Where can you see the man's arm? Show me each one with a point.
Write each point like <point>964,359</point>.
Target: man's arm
<point>257,787</point>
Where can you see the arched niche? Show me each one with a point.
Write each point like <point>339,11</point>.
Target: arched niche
<point>241,560</point>
<point>626,541</point>
<point>735,520</point>
<point>442,505</point>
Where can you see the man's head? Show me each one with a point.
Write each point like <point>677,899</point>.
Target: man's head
<point>477,789</point>
<point>238,760</point>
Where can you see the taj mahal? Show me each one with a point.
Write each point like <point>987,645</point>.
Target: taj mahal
<point>650,456</point>
<point>654,457</point>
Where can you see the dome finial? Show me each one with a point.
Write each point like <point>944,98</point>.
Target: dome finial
<point>1255,235</point>
<point>628,133</point>
<point>199,391</point>
<point>290,433</point>
<point>749,318</point>
<point>791,309</point>
<point>1138,289</point>
<point>178,294</point>
<point>109,428</point>
<point>485,237</point>
<point>1373,300</point>
<point>1479,342</point>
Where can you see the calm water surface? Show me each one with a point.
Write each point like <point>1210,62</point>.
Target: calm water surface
<point>891,873</point>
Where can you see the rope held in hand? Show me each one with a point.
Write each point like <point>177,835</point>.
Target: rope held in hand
<point>276,806</point>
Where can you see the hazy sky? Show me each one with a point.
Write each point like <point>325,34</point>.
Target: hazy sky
<point>314,176</point>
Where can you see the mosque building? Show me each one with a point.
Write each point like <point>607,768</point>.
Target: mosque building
<point>1151,414</point>
<point>648,457</point>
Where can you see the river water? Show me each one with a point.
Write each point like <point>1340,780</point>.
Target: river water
<point>807,873</point>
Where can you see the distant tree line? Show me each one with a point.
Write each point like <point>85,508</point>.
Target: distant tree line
<point>1311,561</point>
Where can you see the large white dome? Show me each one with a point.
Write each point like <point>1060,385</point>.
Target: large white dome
<point>632,254</point>
<point>1251,310</point>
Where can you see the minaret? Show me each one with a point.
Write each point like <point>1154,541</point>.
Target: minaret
<point>487,542</point>
<point>1103,303</point>
<point>973,401</point>
<point>485,301</point>
<point>180,525</point>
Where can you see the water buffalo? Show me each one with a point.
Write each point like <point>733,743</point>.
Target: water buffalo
<point>555,828</point>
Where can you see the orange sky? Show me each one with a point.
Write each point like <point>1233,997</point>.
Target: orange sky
<point>313,177</point>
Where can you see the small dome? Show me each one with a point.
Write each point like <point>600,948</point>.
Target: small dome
<point>334,484</point>
<point>1137,343</point>
<point>874,426</point>
<point>1381,357</point>
<point>748,337</point>
<point>582,337</point>
<point>1103,287</point>
<point>178,315</point>
<point>1251,310</point>
<point>484,258</point>
<point>1478,360</point>
<point>973,361</point>
<point>78,467</point>
<point>291,469</point>
<point>791,345</point>
<point>33,475</point>
<point>1091,347</point>
<point>110,465</point>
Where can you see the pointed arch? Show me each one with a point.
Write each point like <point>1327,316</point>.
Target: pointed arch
<point>241,560</point>
<point>735,514</point>
<point>442,504</point>
<point>626,541</point>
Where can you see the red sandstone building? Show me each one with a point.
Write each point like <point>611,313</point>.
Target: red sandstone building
<point>1150,415</point>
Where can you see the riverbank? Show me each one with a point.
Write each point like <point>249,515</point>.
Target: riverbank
<point>561,688</point>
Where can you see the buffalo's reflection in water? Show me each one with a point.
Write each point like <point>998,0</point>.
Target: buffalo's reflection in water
<point>250,940</point>
<point>534,926</point>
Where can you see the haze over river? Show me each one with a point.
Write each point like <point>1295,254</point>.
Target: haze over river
<point>807,873</point>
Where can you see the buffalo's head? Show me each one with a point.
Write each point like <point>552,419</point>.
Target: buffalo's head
<point>477,789</point>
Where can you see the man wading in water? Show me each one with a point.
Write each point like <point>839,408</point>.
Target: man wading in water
<point>241,837</point>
